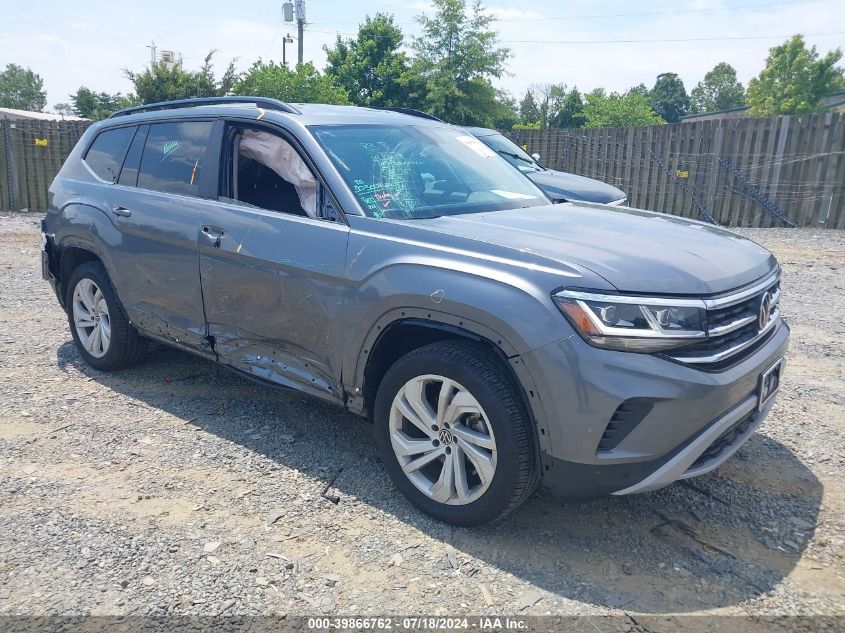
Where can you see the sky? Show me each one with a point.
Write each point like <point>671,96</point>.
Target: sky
<point>576,42</point>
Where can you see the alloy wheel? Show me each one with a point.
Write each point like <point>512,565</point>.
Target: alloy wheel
<point>91,318</point>
<point>442,439</point>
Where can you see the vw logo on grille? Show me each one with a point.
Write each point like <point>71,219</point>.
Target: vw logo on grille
<point>765,310</point>
<point>445,436</point>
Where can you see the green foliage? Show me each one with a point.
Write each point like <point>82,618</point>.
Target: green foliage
<point>529,113</point>
<point>617,110</point>
<point>527,126</point>
<point>97,105</point>
<point>303,84</point>
<point>795,79</point>
<point>21,89</point>
<point>719,90</point>
<point>371,68</point>
<point>504,115</point>
<point>456,57</point>
<point>569,109</point>
<point>165,82</point>
<point>669,97</point>
<point>640,89</point>
<point>556,106</point>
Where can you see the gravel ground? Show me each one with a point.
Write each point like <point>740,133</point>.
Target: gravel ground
<point>175,488</point>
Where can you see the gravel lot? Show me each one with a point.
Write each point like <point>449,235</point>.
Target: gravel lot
<point>175,488</point>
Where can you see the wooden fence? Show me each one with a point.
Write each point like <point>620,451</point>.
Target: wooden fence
<point>739,172</point>
<point>31,154</point>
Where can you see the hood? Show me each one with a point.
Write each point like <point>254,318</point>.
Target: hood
<point>559,184</point>
<point>635,251</point>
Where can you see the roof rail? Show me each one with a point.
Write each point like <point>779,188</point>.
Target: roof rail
<point>409,111</point>
<point>261,102</point>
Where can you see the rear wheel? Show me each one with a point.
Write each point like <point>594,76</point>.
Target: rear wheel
<point>454,434</point>
<point>102,333</point>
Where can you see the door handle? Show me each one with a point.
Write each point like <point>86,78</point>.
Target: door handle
<point>122,211</point>
<point>213,235</point>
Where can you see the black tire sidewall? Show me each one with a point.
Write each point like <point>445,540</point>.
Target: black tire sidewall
<point>499,495</point>
<point>96,273</point>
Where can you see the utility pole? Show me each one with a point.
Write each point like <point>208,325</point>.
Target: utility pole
<point>300,27</point>
<point>294,10</point>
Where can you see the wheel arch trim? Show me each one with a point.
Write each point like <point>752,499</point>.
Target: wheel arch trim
<point>460,327</point>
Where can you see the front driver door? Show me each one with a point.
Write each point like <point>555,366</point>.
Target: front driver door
<point>272,274</point>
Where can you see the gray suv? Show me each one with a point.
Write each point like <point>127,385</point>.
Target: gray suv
<point>400,268</point>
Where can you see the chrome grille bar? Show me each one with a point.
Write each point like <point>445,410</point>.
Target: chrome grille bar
<point>738,297</point>
<point>736,349</point>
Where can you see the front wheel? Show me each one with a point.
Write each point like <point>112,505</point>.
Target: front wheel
<point>454,434</point>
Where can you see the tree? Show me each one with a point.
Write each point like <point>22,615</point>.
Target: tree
<point>719,90</point>
<point>64,109</point>
<point>21,89</point>
<point>456,57</point>
<point>97,105</point>
<point>165,81</point>
<point>304,84</point>
<point>669,97</point>
<point>640,89</point>
<point>557,106</point>
<point>544,95</point>
<point>371,68</point>
<point>528,111</point>
<point>616,110</point>
<point>504,115</point>
<point>795,79</point>
<point>569,111</point>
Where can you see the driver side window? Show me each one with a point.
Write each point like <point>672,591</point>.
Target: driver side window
<point>265,171</point>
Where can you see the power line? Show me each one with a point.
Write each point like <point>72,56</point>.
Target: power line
<point>654,41</point>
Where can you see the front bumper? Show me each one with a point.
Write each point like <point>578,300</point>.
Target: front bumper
<point>692,413</point>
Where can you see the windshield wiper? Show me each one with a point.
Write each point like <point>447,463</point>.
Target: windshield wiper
<point>518,157</point>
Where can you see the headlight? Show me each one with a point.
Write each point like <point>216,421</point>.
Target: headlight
<point>633,324</point>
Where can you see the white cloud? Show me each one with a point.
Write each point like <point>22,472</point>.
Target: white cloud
<point>78,51</point>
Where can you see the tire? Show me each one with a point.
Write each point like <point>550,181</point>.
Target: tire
<point>489,426</point>
<point>90,294</point>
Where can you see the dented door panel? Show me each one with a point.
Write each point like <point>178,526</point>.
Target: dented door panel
<point>275,293</point>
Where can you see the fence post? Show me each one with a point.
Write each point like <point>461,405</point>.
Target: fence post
<point>11,166</point>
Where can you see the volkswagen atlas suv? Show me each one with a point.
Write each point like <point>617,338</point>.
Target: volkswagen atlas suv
<point>400,268</point>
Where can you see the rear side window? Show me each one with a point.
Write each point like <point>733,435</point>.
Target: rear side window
<point>174,157</point>
<point>129,173</point>
<point>105,156</point>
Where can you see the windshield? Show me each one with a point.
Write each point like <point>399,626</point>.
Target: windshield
<point>511,152</point>
<point>410,173</point>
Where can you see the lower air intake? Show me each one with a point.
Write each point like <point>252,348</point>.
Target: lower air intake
<point>624,420</point>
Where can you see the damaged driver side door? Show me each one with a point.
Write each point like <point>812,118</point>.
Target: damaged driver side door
<point>272,267</point>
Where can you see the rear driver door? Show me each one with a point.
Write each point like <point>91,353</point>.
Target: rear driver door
<point>156,206</point>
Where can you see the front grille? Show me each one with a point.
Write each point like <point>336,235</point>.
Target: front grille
<point>725,440</point>
<point>733,330</point>
<point>715,347</point>
<point>723,317</point>
<point>627,416</point>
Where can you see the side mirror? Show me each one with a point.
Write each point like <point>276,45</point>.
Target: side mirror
<point>536,156</point>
